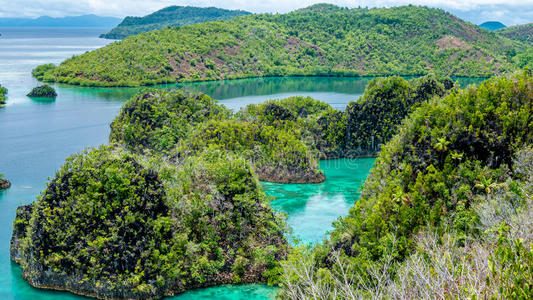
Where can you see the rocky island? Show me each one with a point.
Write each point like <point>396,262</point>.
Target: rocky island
<point>172,16</point>
<point>43,91</point>
<point>4,183</point>
<point>112,224</point>
<point>3,92</point>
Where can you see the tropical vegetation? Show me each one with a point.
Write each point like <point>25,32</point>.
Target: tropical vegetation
<point>445,212</point>
<point>43,91</point>
<point>321,40</point>
<point>523,33</point>
<point>179,124</point>
<point>113,224</point>
<point>4,183</point>
<point>174,202</point>
<point>282,139</point>
<point>3,92</point>
<point>171,16</point>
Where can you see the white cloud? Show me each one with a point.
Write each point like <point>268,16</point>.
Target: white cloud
<point>507,11</point>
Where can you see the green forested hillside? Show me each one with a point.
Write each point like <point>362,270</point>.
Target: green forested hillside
<point>523,33</point>
<point>320,40</point>
<point>169,17</point>
<point>446,210</point>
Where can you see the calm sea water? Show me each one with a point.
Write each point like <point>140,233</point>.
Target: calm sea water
<point>36,137</point>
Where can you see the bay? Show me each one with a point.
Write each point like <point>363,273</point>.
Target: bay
<point>37,136</point>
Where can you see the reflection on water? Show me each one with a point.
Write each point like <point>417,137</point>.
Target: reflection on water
<point>338,92</point>
<point>237,93</point>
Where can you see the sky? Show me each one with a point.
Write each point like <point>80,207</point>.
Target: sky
<point>509,12</point>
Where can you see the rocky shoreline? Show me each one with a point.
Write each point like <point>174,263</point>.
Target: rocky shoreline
<point>279,175</point>
<point>146,243</point>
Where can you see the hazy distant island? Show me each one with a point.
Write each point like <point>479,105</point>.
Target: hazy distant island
<point>171,16</point>
<point>321,40</point>
<point>492,25</point>
<point>70,21</point>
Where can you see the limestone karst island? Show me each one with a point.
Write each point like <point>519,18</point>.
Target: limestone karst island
<point>280,150</point>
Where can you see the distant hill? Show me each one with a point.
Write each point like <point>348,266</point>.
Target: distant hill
<point>73,21</point>
<point>321,8</point>
<point>406,40</point>
<point>170,16</point>
<point>492,25</point>
<point>523,33</point>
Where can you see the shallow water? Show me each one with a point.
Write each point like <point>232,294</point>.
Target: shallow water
<point>36,136</point>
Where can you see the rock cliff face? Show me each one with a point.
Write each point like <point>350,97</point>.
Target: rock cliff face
<point>111,225</point>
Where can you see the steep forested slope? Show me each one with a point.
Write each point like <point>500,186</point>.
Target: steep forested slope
<point>446,211</point>
<point>523,33</point>
<point>170,16</point>
<point>320,40</point>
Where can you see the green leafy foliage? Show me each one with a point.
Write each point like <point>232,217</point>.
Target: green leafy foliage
<point>170,17</point>
<point>319,41</point>
<point>449,155</point>
<point>157,120</point>
<point>3,92</point>
<point>511,266</point>
<point>314,122</point>
<point>522,33</point>
<point>40,71</point>
<point>277,154</point>
<point>373,119</point>
<point>446,153</point>
<point>114,224</point>
<point>178,124</point>
<point>43,91</point>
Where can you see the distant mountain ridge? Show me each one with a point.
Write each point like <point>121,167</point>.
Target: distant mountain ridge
<point>492,25</point>
<point>70,21</point>
<point>171,16</point>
